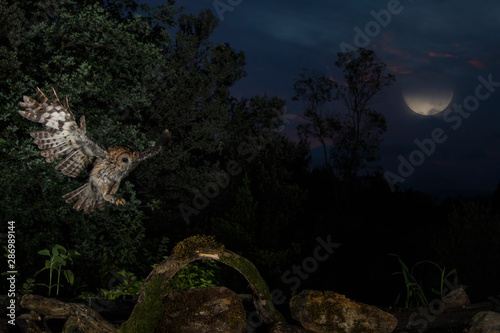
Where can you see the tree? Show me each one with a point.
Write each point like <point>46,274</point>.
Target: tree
<point>315,91</point>
<point>131,78</point>
<point>354,136</point>
<point>104,64</point>
<point>192,99</point>
<point>360,133</point>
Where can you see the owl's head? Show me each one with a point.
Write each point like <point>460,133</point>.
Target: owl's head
<point>125,158</point>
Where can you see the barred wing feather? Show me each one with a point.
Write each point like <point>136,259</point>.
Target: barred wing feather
<point>63,136</point>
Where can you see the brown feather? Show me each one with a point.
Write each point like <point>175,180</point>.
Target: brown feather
<point>53,153</point>
<point>86,198</point>
<point>74,163</point>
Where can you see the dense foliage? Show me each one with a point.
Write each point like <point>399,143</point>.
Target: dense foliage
<point>229,171</point>
<point>133,71</point>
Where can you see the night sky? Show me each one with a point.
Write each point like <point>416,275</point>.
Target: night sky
<point>434,48</point>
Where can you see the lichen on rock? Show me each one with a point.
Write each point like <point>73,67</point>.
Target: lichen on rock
<point>327,311</point>
<point>212,309</point>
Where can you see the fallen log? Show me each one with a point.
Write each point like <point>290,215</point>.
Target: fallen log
<point>80,318</point>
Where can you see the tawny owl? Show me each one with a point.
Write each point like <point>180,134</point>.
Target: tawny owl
<point>63,137</point>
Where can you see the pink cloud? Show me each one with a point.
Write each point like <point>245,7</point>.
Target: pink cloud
<point>477,63</point>
<point>397,70</point>
<point>386,41</point>
<point>441,55</point>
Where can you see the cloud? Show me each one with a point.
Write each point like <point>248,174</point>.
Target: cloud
<point>397,70</point>
<point>441,55</point>
<point>477,63</point>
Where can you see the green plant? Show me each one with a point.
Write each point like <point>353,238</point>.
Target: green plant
<point>28,286</point>
<point>59,257</point>
<point>128,285</point>
<point>195,275</point>
<point>443,275</point>
<point>415,294</point>
<point>87,295</point>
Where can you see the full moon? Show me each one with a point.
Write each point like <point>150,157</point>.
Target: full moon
<point>427,93</point>
<point>428,103</point>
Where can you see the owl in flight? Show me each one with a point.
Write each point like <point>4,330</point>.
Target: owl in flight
<point>64,137</point>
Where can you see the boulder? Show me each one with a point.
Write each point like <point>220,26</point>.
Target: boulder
<point>281,327</point>
<point>213,309</point>
<point>456,298</point>
<point>485,322</point>
<point>327,311</point>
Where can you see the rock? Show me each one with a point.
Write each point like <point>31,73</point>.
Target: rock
<point>456,299</point>
<point>213,309</point>
<point>327,311</point>
<point>281,327</point>
<point>485,322</point>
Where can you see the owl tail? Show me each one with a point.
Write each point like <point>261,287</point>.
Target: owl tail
<point>86,198</point>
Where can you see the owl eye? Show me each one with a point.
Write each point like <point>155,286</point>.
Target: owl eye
<point>124,160</point>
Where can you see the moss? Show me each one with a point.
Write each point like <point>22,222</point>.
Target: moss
<point>194,244</point>
<point>147,314</point>
<point>328,307</point>
<point>325,309</point>
<point>235,316</point>
<point>321,307</point>
<point>360,328</point>
<point>180,321</point>
<point>250,272</point>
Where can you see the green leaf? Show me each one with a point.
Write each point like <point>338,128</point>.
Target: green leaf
<point>70,277</point>
<point>60,261</point>
<point>58,249</point>
<point>44,252</point>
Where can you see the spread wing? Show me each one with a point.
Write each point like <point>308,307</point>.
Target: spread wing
<point>63,136</point>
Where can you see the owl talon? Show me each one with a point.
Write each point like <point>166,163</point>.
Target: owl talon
<point>120,201</point>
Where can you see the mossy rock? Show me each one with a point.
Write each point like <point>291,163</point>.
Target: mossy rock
<point>327,311</point>
<point>195,244</point>
<point>146,315</point>
<point>212,309</point>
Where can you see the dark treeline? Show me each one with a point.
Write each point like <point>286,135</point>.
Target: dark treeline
<point>229,170</point>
